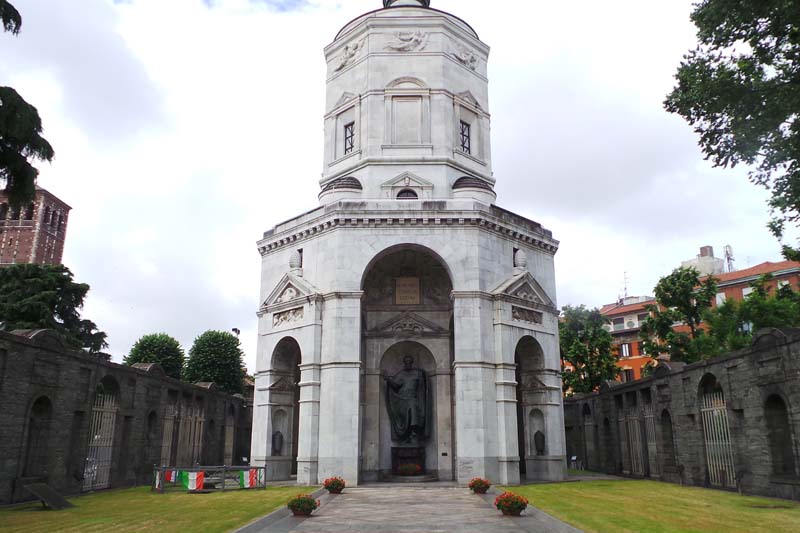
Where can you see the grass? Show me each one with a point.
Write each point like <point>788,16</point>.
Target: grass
<point>630,505</point>
<point>141,510</point>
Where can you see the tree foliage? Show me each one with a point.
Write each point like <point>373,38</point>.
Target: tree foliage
<point>9,17</point>
<point>216,357</point>
<point>733,323</point>
<point>46,297</point>
<point>681,298</point>
<point>158,348</point>
<point>20,132</point>
<point>740,90</point>
<point>586,346</point>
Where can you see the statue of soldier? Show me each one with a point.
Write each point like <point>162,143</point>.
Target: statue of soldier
<point>407,403</point>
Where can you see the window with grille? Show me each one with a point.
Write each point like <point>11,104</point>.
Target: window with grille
<point>466,137</point>
<point>624,350</point>
<point>349,138</point>
<point>627,375</point>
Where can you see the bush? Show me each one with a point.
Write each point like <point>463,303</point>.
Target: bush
<point>216,357</point>
<point>479,485</point>
<point>303,504</point>
<point>158,348</point>
<point>510,503</point>
<point>334,484</point>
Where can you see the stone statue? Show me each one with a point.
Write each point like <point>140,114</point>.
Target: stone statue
<point>407,403</point>
<point>277,444</point>
<point>539,443</point>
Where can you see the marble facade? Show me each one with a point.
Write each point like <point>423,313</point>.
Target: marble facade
<point>407,254</point>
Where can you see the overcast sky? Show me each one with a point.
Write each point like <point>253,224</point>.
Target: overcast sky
<point>184,129</point>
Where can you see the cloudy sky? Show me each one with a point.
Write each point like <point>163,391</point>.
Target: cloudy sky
<point>183,129</point>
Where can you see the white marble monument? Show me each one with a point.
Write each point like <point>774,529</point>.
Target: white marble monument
<point>408,257</point>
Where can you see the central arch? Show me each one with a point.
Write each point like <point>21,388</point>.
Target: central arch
<point>407,310</point>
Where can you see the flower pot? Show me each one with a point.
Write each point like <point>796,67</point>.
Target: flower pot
<point>335,491</point>
<point>480,491</point>
<point>512,513</point>
<point>302,513</point>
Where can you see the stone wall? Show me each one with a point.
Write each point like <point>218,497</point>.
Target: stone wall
<point>52,417</point>
<point>729,423</point>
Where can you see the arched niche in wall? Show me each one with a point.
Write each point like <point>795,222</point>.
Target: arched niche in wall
<point>38,438</point>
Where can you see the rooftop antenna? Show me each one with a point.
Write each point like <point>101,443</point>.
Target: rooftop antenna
<point>626,280</point>
<point>729,259</point>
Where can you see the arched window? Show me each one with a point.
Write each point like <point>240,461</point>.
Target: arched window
<point>54,219</point>
<point>38,436</point>
<point>667,439</point>
<point>47,215</point>
<point>3,211</point>
<point>780,436</point>
<point>407,194</point>
<point>29,212</point>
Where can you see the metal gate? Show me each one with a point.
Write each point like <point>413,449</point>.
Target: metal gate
<point>623,440</point>
<point>97,471</point>
<point>650,433</point>
<point>635,442</point>
<point>716,432</point>
<point>170,417</point>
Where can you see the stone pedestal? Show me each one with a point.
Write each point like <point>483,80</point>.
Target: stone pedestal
<point>402,456</point>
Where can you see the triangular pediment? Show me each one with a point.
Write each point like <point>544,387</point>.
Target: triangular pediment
<point>470,98</point>
<point>344,99</point>
<point>289,289</point>
<point>282,385</point>
<point>524,287</point>
<point>410,324</point>
<point>408,179</point>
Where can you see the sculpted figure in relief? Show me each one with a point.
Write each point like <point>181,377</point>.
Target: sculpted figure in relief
<point>349,53</point>
<point>288,295</point>
<point>286,317</point>
<point>408,42</point>
<point>407,403</point>
<point>465,56</point>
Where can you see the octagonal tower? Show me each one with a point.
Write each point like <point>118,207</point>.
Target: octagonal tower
<point>408,269</point>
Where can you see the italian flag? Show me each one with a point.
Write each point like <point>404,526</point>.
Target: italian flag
<point>193,480</point>
<point>170,476</point>
<point>250,478</point>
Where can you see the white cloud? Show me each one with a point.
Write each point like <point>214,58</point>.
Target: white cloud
<point>183,132</point>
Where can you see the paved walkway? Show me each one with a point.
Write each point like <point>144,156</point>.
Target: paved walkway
<point>399,508</point>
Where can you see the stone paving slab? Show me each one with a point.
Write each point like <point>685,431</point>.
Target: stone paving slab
<point>413,509</point>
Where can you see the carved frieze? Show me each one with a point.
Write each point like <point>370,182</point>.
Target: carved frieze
<point>526,292</point>
<point>410,41</point>
<point>465,56</point>
<point>287,317</point>
<point>349,53</point>
<point>527,315</point>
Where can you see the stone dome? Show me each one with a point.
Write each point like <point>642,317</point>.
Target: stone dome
<point>468,182</point>
<point>343,183</point>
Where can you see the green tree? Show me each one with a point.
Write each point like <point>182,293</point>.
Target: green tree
<point>20,132</point>
<point>46,297</point>
<point>10,17</point>
<point>216,357</point>
<point>740,90</point>
<point>586,346</point>
<point>158,348</point>
<point>681,298</point>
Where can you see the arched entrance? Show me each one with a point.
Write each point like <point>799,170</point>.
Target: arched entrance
<point>531,429</point>
<point>36,457</point>
<point>407,314</point>
<point>100,452</point>
<point>283,441</point>
<point>716,434</point>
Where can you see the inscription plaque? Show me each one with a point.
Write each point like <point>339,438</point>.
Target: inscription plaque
<point>407,291</point>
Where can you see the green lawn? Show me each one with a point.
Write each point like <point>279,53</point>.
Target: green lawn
<point>630,505</point>
<point>141,510</point>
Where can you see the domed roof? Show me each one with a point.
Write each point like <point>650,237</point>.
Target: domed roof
<point>343,183</point>
<point>414,3</point>
<point>468,182</point>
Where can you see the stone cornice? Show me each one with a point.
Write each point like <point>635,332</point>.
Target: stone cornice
<point>422,213</point>
<point>404,162</point>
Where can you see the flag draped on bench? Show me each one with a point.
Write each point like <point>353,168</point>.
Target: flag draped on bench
<point>193,480</point>
<point>249,479</point>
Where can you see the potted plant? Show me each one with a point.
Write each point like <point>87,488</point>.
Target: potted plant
<point>334,485</point>
<point>479,485</point>
<point>302,505</point>
<point>510,504</point>
<point>409,469</point>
